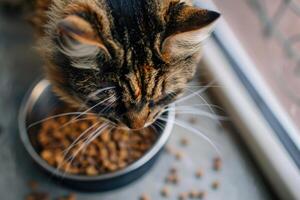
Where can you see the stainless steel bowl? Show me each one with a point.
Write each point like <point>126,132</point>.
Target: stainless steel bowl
<point>39,103</point>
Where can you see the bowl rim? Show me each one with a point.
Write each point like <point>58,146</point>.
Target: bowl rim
<point>30,99</point>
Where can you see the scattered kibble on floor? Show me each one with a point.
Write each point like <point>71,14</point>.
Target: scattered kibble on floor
<point>184,141</point>
<point>33,185</point>
<point>172,178</point>
<point>38,196</point>
<point>70,196</point>
<point>215,184</point>
<point>217,164</point>
<point>193,194</point>
<point>165,191</point>
<point>178,155</point>
<point>202,194</point>
<point>193,120</point>
<point>199,173</point>
<point>145,196</point>
<point>183,196</point>
<point>173,170</point>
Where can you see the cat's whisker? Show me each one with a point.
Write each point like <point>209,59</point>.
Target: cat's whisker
<point>65,154</point>
<point>200,105</point>
<point>77,120</point>
<point>204,86</point>
<point>196,131</point>
<point>86,142</point>
<point>109,105</point>
<point>202,113</point>
<point>154,128</point>
<point>95,136</point>
<point>195,111</point>
<point>56,116</point>
<point>160,125</point>
<point>87,138</point>
<point>93,94</point>
<point>200,91</point>
<point>204,100</point>
<point>87,110</point>
<point>66,151</point>
<point>174,74</point>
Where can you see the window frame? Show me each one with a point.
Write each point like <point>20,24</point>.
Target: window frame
<point>263,124</point>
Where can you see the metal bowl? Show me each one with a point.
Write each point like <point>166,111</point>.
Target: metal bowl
<point>39,103</point>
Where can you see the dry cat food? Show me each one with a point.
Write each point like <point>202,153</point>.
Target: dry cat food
<point>217,164</point>
<point>112,150</point>
<point>145,197</point>
<point>183,196</point>
<point>172,177</point>
<point>165,191</point>
<point>215,184</point>
<point>193,194</point>
<point>173,174</point>
<point>199,173</point>
<point>38,196</point>
<point>184,141</point>
<point>70,196</point>
<point>33,185</point>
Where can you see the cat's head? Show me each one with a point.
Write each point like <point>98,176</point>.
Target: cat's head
<point>127,60</point>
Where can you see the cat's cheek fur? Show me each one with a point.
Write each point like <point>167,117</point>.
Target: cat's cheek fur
<point>71,100</point>
<point>59,82</point>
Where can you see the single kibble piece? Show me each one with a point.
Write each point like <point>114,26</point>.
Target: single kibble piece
<point>184,141</point>
<point>38,196</point>
<point>145,196</point>
<point>202,194</point>
<point>173,170</point>
<point>217,164</point>
<point>172,178</point>
<point>33,185</point>
<point>178,155</point>
<point>71,196</point>
<point>165,192</point>
<point>199,173</point>
<point>193,194</point>
<point>91,171</point>
<point>215,185</point>
<point>193,120</point>
<point>183,196</point>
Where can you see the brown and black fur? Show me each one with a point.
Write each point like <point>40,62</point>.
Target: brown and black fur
<point>146,50</point>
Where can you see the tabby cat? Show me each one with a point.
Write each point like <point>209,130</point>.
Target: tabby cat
<point>124,59</point>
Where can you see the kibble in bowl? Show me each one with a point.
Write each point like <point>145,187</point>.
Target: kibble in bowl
<point>114,158</point>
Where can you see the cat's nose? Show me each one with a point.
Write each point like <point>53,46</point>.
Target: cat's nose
<point>136,121</point>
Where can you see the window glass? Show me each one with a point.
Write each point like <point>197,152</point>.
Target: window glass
<point>269,30</point>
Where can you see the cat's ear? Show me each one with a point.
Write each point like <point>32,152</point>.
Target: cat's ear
<point>187,28</point>
<point>77,38</point>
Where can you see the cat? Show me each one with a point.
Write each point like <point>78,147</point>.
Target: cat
<point>125,60</point>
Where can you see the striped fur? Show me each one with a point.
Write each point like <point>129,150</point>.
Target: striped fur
<point>146,50</point>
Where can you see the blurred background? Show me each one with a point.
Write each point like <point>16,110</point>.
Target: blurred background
<point>253,59</point>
